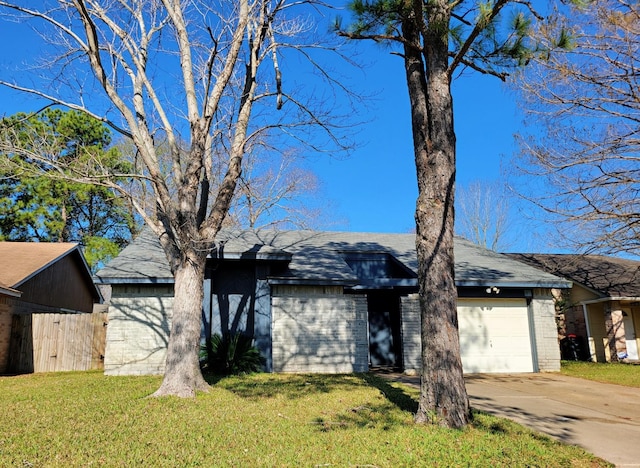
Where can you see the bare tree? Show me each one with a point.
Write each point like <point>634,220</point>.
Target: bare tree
<point>203,77</point>
<point>581,160</point>
<point>275,192</point>
<point>482,214</point>
<point>274,189</point>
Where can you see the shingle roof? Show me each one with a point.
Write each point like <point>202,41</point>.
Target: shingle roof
<point>7,291</point>
<point>143,260</point>
<point>19,261</point>
<point>608,276</point>
<point>318,256</point>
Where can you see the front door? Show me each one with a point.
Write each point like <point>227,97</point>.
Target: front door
<point>384,329</point>
<point>630,337</point>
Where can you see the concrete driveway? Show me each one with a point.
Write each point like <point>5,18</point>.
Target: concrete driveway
<point>603,419</point>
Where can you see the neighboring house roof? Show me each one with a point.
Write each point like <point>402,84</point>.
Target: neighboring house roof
<point>607,276</point>
<point>321,257</point>
<point>7,291</point>
<point>20,261</point>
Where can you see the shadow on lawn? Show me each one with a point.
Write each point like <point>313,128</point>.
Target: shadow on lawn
<point>212,379</point>
<point>395,395</point>
<point>511,419</point>
<point>369,415</point>
<point>300,385</point>
<point>483,409</point>
<point>291,386</point>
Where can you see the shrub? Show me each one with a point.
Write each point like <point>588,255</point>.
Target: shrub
<point>232,353</point>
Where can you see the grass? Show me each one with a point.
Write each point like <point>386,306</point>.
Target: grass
<point>610,372</point>
<point>87,419</point>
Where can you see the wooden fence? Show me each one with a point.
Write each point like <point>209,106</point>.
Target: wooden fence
<point>57,342</point>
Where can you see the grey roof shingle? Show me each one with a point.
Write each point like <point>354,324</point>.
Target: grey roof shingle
<point>143,260</point>
<point>607,276</point>
<point>318,256</point>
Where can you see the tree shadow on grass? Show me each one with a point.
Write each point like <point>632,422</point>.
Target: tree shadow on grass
<point>367,416</point>
<point>487,422</point>
<point>380,414</point>
<point>213,379</point>
<point>482,420</point>
<point>373,415</point>
<point>397,396</point>
<point>291,386</point>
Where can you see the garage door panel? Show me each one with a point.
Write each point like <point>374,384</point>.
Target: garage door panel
<point>495,336</point>
<point>497,364</point>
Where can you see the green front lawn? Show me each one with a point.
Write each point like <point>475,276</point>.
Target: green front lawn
<point>609,372</point>
<point>87,419</point>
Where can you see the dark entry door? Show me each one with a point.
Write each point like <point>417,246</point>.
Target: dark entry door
<point>384,330</point>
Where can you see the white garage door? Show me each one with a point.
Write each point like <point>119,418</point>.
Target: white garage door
<point>494,335</point>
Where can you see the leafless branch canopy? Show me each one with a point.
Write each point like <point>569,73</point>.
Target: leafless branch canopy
<point>482,214</point>
<point>584,167</point>
<point>192,85</point>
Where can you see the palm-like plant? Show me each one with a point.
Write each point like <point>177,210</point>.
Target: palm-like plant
<point>231,353</point>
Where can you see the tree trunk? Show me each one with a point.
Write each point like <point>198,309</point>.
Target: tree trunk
<point>183,376</point>
<point>443,396</point>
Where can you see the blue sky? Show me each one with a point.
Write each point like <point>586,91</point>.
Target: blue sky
<point>375,188</point>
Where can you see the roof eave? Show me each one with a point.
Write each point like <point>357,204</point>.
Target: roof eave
<point>282,257</point>
<point>359,284</point>
<point>10,292</point>
<point>388,283</point>
<point>559,284</point>
<point>312,281</point>
<point>610,299</point>
<point>75,249</point>
<point>134,280</point>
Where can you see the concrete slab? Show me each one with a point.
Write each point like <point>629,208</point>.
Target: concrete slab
<point>603,419</point>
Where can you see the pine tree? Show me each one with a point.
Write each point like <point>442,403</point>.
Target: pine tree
<point>437,39</point>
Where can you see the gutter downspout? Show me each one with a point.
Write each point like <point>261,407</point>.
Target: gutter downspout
<point>592,351</point>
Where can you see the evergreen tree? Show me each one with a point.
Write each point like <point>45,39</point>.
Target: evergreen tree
<point>437,40</point>
<point>34,207</point>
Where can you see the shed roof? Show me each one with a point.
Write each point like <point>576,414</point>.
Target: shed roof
<point>607,276</point>
<point>7,291</point>
<point>319,257</point>
<point>21,261</point>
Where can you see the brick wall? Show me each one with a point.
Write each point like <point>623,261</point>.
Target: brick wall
<point>545,332</point>
<point>138,330</point>
<point>319,333</point>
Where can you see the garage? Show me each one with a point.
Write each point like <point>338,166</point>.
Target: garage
<point>495,335</point>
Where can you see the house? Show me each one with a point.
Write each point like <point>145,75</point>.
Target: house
<point>602,308</point>
<point>44,288</point>
<point>332,302</point>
